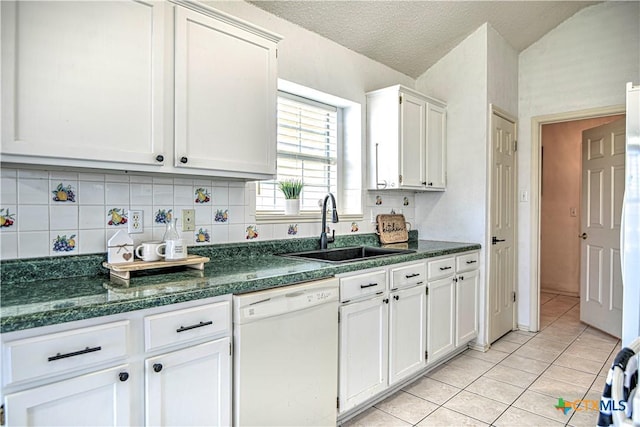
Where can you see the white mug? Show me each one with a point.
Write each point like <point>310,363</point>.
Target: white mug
<point>149,251</point>
<point>174,249</point>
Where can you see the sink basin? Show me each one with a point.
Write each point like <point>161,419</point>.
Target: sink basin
<point>357,253</point>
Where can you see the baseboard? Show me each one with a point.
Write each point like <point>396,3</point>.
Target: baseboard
<point>525,328</point>
<point>480,347</point>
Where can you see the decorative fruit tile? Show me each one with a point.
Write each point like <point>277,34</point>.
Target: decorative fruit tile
<point>293,229</point>
<point>163,216</point>
<point>203,195</point>
<point>221,215</point>
<point>405,201</point>
<point>378,200</point>
<point>354,227</point>
<point>252,232</point>
<point>202,236</point>
<point>64,193</point>
<point>117,216</point>
<point>64,243</point>
<point>7,219</point>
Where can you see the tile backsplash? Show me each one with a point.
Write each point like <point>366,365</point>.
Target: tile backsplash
<point>50,213</point>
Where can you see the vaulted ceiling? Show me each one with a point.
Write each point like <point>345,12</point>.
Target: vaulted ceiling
<point>410,36</point>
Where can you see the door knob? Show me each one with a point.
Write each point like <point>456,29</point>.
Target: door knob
<point>583,236</point>
<point>495,240</point>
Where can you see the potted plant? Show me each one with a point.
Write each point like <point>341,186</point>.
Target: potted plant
<point>291,188</point>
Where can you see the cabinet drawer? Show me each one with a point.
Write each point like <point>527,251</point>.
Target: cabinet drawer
<point>73,350</point>
<point>408,275</point>
<point>467,262</point>
<point>186,325</point>
<point>354,287</point>
<point>441,268</point>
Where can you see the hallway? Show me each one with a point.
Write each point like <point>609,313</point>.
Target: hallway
<point>517,382</point>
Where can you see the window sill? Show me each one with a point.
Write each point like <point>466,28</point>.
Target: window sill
<point>280,218</point>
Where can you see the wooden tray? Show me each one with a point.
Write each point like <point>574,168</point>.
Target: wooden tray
<point>122,271</point>
<point>392,228</point>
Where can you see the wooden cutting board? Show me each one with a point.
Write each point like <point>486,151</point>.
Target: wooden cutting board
<point>392,228</point>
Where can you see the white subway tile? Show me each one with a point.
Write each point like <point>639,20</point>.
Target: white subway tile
<point>92,241</point>
<point>33,174</point>
<point>8,191</point>
<point>162,194</point>
<point>63,218</point>
<point>140,179</point>
<point>33,192</point>
<point>183,195</point>
<point>117,178</point>
<point>8,173</point>
<point>32,218</point>
<point>92,217</point>
<point>116,193</point>
<point>91,192</point>
<point>33,244</point>
<point>97,177</point>
<point>141,194</point>
<point>8,245</point>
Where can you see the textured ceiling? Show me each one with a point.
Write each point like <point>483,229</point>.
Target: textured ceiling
<point>410,36</point>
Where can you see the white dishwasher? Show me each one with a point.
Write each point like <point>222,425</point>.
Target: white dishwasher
<point>286,356</point>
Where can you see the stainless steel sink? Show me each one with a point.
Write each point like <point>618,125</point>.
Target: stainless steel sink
<point>340,255</point>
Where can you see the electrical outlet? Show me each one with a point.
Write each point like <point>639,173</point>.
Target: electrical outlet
<point>136,222</point>
<point>188,220</point>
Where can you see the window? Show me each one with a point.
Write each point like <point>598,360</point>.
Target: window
<point>308,147</point>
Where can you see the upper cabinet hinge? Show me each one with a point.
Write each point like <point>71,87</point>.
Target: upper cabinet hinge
<point>514,296</point>
<point>338,317</point>
<point>337,402</point>
<point>400,179</point>
<point>515,145</point>
<point>427,291</point>
<point>426,355</point>
<point>2,415</point>
<point>400,99</point>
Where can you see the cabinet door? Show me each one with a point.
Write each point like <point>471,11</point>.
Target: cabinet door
<point>225,95</point>
<point>467,307</point>
<point>83,81</point>
<point>363,350</point>
<point>407,324</point>
<point>440,318</point>
<point>190,387</point>
<point>436,156</point>
<point>96,399</point>
<point>412,142</point>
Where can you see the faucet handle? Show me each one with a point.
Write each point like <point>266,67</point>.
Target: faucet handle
<point>333,236</point>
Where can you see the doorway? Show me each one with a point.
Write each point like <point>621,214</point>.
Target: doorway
<point>536,181</point>
<point>560,214</point>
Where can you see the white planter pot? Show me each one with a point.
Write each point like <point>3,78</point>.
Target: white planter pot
<point>292,206</point>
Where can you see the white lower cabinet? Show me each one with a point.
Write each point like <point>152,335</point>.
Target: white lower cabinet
<point>96,399</point>
<point>452,318</point>
<point>173,361</point>
<point>189,386</point>
<point>382,333</point>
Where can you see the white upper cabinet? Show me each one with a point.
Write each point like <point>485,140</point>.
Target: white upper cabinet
<point>172,87</point>
<point>82,80</point>
<point>226,87</point>
<point>406,133</point>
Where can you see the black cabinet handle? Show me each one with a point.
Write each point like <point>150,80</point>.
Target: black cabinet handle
<point>420,283</point>
<point>461,277</point>
<point>424,182</point>
<point>455,279</point>
<point>430,184</point>
<point>386,300</point>
<point>368,286</point>
<point>183,160</point>
<point>75,353</point>
<point>445,268</point>
<point>396,297</point>
<point>472,262</point>
<point>159,158</point>
<point>409,276</point>
<point>199,325</point>
<point>123,376</point>
<point>157,367</point>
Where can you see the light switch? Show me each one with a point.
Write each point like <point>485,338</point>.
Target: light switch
<point>573,212</point>
<point>524,196</point>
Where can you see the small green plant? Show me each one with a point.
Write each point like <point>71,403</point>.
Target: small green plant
<point>291,188</point>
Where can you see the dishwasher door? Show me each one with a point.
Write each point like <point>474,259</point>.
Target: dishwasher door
<point>286,356</point>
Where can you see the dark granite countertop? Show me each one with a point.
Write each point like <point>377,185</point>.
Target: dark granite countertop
<point>32,296</point>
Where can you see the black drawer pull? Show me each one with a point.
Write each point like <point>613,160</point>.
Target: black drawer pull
<point>199,325</point>
<point>368,286</point>
<point>123,376</point>
<point>420,283</point>
<point>472,262</point>
<point>445,268</point>
<point>157,367</point>
<point>409,276</point>
<point>75,353</point>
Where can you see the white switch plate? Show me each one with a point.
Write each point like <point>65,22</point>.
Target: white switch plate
<point>524,196</point>
<point>188,220</point>
<point>136,221</point>
<point>573,212</point>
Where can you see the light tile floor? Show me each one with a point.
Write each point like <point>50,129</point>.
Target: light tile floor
<point>516,383</point>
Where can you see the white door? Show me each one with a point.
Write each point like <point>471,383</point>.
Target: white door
<point>225,95</point>
<point>603,150</point>
<point>363,351</point>
<point>190,387</point>
<point>412,141</point>
<point>467,307</point>
<point>436,162</point>
<point>441,320</point>
<point>83,80</point>
<point>407,323</point>
<point>502,252</point>
<point>97,399</point>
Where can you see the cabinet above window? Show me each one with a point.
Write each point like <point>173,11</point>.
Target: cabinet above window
<point>172,87</point>
<point>406,135</point>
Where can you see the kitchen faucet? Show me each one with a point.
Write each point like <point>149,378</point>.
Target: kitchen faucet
<point>334,218</point>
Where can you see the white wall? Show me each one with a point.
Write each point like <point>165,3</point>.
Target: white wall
<point>583,63</point>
